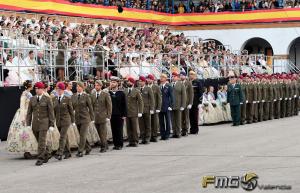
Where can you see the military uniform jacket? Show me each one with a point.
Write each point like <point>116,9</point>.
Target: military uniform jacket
<point>167,97</point>
<point>157,96</point>
<point>251,93</point>
<point>84,113</point>
<point>179,94</point>
<point>264,92</point>
<point>259,88</point>
<point>134,101</point>
<point>275,91</point>
<point>189,92</point>
<point>102,107</point>
<point>63,110</point>
<point>148,99</point>
<point>270,93</point>
<point>40,114</point>
<point>280,91</point>
<point>234,94</point>
<point>245,91</point>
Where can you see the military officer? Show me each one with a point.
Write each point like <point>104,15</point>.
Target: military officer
<point>265,99</point>
<point>296,96</point>
<point>284,97</point>
<point>64,116</point>
<point>290,95</point>
<point>135,108</point>
<point>179,93</point>
<point>102,107</point>
<point>260,101</point>
<point>166,107</point>
<point>275,97</point>
<point>189,102</point>
<point>148,110</point>
<point>119,112</point>
<point>277,103</point>
<point>235,97</point>
<point>198,92</point>
<point>250,99</point>
<point>84,115</point>
<point>157,107</point>
<point>40,116</point>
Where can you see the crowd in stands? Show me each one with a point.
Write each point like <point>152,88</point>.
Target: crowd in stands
<point>95,47</point>
<point>201,6</point>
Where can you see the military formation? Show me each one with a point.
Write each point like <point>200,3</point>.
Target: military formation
<point>151,108</point>
<point>268,97</point>
<point>147,108</point>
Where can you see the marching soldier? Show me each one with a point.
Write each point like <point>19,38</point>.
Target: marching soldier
<point>64,114</point>
<point>166,107</point>
<point>84,115</point>
<point>148,110</point>
<point>290,95</point>
<point>179,103</point>
<point>119,112</point>
<point>134,111</point>
<point>251,98</point>
<point>259,101</point>
<point>40,116</point>
<point>189,102</point>
<point>235,97</point>
<point>198,92</point>
<point>102,106</point>
<point>284,97</point>
<point>244,88</point>
<point>157,107</point>
<point>265,96</point>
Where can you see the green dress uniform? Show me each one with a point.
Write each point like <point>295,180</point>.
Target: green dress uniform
<point>279,100</point>
<point>296,97</point>
<point>258,115</point>
<point>290,94</point>
<point>145,120</point>
<point>244,103</point>
<point>235,97</point>
<point>251,96</point>
<point>284,100</point>
<point>135,106</point>
<point>265,102</point>
<point>157,108</point>
<point>189,102</point>
<point>273,100</point>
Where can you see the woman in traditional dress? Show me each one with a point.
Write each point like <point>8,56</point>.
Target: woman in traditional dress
<point>222,102</point>
<point>215,114</point>
<point>227,105</point>
<point>21,138</point>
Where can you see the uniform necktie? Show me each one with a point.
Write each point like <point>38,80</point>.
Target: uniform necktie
<point>59,98</point>
<point>141,89</point>
<point>78,96</point>
<point>38,99</point>
<point>97,96</point>
<point>129,91</point>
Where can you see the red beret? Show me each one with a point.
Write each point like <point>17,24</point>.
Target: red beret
<point>241,77</point>
<point>151,77</point>
<point>39,85</point>
<point>142,78</point>
<point>175,74</point>
<point>61,86</point>
<point>130,79</point>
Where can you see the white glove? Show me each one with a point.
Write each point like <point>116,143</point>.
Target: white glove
<point>181,108</point>
<point>51,128</point>
<point>241,103</point>
<point>263,101</point>
<point>246,101</point>
<point>285,99</point>
<point>140,114</point>
<point>169,108</point>
<point>93,122</point>
<point>275,100</point>
<point>280,99</point>
<point>257,101</point>
<point>151,112</point>
<point>157,111</point>
<point>199,106</point>
<point>254,102</point>
<point>107,119</point>
<point>189,106</point>
<point>295,96</point>
<point>290,99</point>
<point>73,124</point>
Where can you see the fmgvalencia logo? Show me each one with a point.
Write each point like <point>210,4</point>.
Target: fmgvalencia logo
<point>248,182</point>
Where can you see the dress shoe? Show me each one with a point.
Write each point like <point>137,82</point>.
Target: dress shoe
<point>58,157</point>
<point>175,136</point>
<point>39,162</point>
<point>162,138</point>
<point>102,150</point>
<point>132,145</point>
<point>117,148</point>
<point>184,134</point>
<point>79,154</point>
<point>153,140</point>
<point>67,156</point>
<point>88,151</point>
<point>27,155</point>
